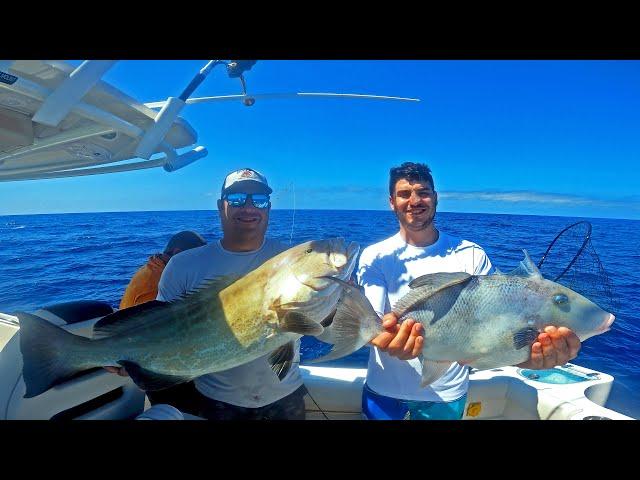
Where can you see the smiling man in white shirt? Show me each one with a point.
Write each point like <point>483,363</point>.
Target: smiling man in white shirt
<point>392,390</point>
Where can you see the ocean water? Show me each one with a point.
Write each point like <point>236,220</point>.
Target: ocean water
<point>46,259</point>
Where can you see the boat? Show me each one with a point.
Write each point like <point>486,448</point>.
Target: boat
<point>58,120</point>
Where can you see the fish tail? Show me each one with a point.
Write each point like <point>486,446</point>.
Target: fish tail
<point>355,324</point>
<point>46,350</point>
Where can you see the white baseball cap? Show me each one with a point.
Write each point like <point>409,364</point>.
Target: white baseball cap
<point>245,180</point>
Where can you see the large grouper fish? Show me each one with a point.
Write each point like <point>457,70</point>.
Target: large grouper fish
<point>484,321</point>
<point>225,323</point>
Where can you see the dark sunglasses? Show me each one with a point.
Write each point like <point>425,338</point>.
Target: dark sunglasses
<point>259,200</point>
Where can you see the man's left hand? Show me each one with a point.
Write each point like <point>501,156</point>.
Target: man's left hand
<point>554,346</point>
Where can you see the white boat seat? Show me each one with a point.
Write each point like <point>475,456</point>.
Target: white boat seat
<point>91,394</point>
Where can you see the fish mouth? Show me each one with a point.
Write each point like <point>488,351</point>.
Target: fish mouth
<point>606,325</point>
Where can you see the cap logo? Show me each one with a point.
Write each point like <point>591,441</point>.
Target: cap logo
<point>247,174</point>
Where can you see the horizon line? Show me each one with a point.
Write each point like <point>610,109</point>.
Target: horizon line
<point>318,210</point>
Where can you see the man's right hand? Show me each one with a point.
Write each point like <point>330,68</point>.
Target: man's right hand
<point>117,370</point>
<point>401,341</point>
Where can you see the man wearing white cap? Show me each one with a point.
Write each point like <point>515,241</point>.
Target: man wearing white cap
<point>252,390</point>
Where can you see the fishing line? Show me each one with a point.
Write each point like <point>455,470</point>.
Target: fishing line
<point>293,218</point>
<point>318,406</point>
<point>312,399</point>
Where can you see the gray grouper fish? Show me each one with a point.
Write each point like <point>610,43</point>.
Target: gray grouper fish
<point>222,325</point>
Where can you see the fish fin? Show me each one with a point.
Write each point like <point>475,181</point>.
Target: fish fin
<point>214,284</point>
<point>438,281</point>
<point>497,271</point>
<point>46,352</point>
<point>432,371</point>
<point>426,286</point>
<point>328,320</point>
<point>355,323</point>
<point>281,359</point>
<point>525,337</point>
<point>526,268</point>
<point>149,380</point>
<point>327,335</point>
<point>122,320</point>
<point>296,322</point>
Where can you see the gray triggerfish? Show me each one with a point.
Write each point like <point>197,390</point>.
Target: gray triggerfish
<point>484,321</point>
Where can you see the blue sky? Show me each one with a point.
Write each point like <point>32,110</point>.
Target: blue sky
<point>524,137</point>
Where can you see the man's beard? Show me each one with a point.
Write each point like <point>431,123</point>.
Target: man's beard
<point>417,227</point>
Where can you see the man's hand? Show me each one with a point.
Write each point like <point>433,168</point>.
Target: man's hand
<point>554,346</point>
<point>117,370</point>
<point>401,341</point>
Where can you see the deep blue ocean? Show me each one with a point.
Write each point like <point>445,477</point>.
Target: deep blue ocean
<point>47,259</point>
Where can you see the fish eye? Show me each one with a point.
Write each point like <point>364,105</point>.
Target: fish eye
<point>309,250</point>
<point>560,299</point>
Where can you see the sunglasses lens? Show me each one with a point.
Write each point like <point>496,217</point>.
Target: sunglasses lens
<point>260,201</point>
<point>237,199</point>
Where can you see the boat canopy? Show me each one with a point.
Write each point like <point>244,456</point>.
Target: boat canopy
<point>61,121</point>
